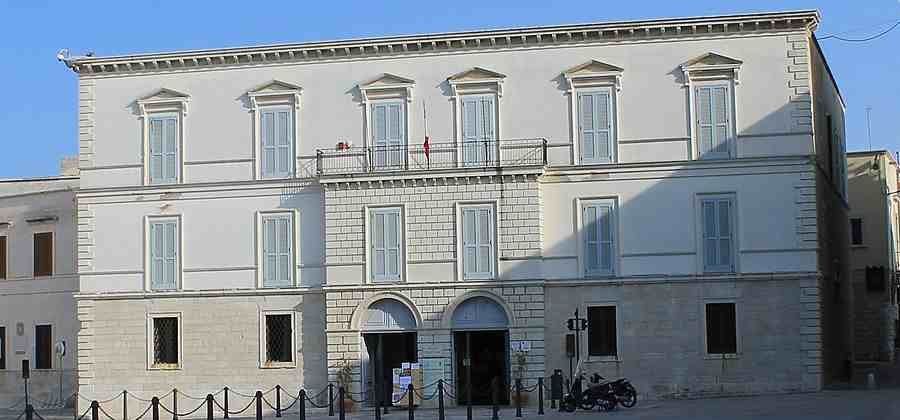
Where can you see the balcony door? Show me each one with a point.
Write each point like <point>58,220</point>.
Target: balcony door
<point>388,136</point>
<point>479,130</point>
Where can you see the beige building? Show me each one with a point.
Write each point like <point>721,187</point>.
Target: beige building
<point>270,215</point>
<point>874,212</point>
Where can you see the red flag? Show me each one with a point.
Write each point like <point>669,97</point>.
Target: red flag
<point>427,147</point>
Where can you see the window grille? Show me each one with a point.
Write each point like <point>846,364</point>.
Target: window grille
<point>165,341</point>
<point>279,332</point>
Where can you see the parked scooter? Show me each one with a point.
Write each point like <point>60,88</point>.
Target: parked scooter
<point>596,394</point>
<point>624,392</point>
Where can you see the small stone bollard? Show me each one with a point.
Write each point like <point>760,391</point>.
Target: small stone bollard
<point>870,381</point>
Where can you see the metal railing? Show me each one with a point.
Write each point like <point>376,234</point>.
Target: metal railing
<point>438,155</point>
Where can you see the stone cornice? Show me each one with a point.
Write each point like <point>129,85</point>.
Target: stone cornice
<point>642,30</point>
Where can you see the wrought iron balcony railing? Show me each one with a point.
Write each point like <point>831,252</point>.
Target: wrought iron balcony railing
<point>438,155</point>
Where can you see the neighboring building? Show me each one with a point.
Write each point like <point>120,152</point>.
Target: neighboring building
<point>38,281</point>
<point>874,235</point>
<point>264,215</point>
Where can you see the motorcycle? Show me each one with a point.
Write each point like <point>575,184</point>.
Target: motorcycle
<point>624,392</point>
<point>596,394</point>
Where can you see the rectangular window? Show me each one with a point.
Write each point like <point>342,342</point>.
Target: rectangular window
<point>856,232</point>
<point>2,257</point>
<point>717,218</point>
<point>277,149</point>
<point>279,338</point>
<point>478,241</point>
<point>164,249</point>
<point>43,347</point>
<point>163,162</point>
<point>721,328</point>
<point>595,126</point>
<point>2,348</point>
<point>387,246</point>
<point>277,250</point>
<point>43,254</point>
<point>602,339</point>
<point>388,134</point>
<point>713,121</point>
<point>598,227</point>
<point>165,341</point>
<point>479,134</point>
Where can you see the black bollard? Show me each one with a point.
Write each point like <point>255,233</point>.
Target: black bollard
<point>541,396</point>
<point>277,400</point>
<point>441,399</point>
<point>469,399</point>
<point>125,405</point>
<point>330,400</point>
<point>209,407</point>
<point>412,402</point>
<point>154,403</point>
<point>226,402</point>
<point>258,405</point>
<point>95,410</point>
<point>302,398</point>
<point>341,413</point>
<point>175,404</point>
<point>495,397</point>
<point>518,398</point>
<point>29,412</point>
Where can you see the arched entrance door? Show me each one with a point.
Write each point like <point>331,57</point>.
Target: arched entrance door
<point>389,337</point>
<point>481,350</point>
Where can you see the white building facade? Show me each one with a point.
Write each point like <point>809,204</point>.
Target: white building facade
<point>268,215</point>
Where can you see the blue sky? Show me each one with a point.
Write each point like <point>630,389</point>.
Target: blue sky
<point>38,113</point>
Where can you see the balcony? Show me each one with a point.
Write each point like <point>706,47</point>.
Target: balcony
<point>440,155</point>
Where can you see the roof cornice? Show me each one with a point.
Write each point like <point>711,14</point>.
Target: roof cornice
<point>639,30</point>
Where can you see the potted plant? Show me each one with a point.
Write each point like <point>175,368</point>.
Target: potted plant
<point>345,379</point>
<point>520,360</point>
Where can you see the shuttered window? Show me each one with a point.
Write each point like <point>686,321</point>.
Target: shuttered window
<point>478,242</point>
<point>277,250</point>
<point>713,121</point>
<point>43,254</point>
<point>721,328</point>
<point>717,217</point>
<point>2,348</point>
<point>163,162</point>
<point>598,227</point>
<point>478,129</point>
<point>277,142</point>
<point>164,254</point>
<point>2,257</point>
<point>856,231</point>
<point>595,127</point>
<point>386,252</point>
<point>43,347</point>
<point>602,331</point>
<point>388,134</point>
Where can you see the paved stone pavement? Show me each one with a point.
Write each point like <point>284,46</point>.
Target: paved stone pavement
<point>843,405</point>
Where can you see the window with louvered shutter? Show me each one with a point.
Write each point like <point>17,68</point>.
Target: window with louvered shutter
<point>717,218</point>
<point>277,250</point>
<point>721,328</point>
<point>595,126</point>
<point>3,257</point>
<point>388,134</point>
<point>477,242</point>
<point>598,231</point>
<point>276,130</point>
<point>164,244</point>
<point>713,104</point>
<point>478,128</point>
<point>163,161</point>
<point>386,244</point>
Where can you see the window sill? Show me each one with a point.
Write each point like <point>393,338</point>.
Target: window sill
<point>859,246</point>
<point>718,356</point>
<point>604,359</point>
<point>480,278</point>
<point>165,366</point>
<point>278,365</point>
<point>599,275</point>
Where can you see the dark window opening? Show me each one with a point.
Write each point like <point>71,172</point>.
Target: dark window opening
<point>2,348</point>
<point>43,254</point>
<point>2,257</point>
<point>875,279</point>
<point>43,347</point>
<point>830,147</point>
<point>856,234</point>
<point>721,328</point>
<point>279,342</point>
<point>602,331</point>
<point>165,341</point>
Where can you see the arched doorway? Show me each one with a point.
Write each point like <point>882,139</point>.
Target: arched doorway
<point>481,349</point>
<point>388,329</point>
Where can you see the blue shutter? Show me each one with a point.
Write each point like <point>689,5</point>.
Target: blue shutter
<point>163,160</point>
<point>277,252</point>
<point>276,133</point>
<point>477,242</point>
<point>595,126</point>
<point>712,121</point>
<point>470,247</point>
<point>599,238</point>
<point>478,130</point>
<point>718,234</point>
<point>284,142</point>
<point>163,255</point>
<point>386,244</point>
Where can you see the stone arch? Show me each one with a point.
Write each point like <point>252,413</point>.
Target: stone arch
<point>447,319</point>
<point>362,312</point>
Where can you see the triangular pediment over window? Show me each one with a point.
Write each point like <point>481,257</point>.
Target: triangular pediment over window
<point>276,86</point>
<point>387,86</point>
<point>164,99</point>
<point>387,80</point>
<point>593,67</point>
<point>476,74</point>
<point>164,94</point>
<point>711,59</point>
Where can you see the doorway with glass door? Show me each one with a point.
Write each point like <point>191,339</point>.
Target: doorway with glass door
<point>386,351</point>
